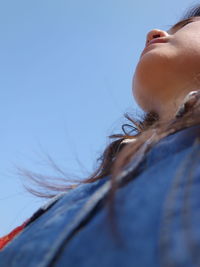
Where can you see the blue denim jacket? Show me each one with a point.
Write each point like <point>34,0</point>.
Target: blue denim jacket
<point>157,216</point>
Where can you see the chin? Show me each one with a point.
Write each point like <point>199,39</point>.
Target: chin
<point>140,95</point>
<point>147,88</point>
<point>153,71</point>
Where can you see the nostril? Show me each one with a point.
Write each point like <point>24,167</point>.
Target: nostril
<point>156,35</point>
<point>153,36</point>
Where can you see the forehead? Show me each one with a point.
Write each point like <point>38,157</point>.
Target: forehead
<point>179,23</point>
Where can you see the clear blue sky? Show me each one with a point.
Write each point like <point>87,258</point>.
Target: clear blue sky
<point>65,83</point>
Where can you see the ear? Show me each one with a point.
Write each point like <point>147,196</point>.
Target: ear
<point>192,99</point>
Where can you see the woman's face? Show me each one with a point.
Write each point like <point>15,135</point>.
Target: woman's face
<point>170,69</point>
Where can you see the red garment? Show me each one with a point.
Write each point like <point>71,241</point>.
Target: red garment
<point>7,238</point>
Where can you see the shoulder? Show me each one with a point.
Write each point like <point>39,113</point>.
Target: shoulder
<point>51,213</point>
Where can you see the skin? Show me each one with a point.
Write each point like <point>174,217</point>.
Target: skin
<point>167,72</point>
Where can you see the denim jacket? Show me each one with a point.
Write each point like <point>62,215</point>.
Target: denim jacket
<point>157,217</point>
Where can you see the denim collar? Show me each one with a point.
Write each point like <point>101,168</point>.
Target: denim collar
<point>173,143</point>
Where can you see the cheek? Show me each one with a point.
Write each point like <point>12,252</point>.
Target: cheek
<point>187,45</point>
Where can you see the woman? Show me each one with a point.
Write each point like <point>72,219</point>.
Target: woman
<point>153,174</point>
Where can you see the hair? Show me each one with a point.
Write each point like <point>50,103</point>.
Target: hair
<point>146,130</point>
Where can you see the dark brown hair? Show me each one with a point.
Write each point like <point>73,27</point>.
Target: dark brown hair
<point>118,154</point>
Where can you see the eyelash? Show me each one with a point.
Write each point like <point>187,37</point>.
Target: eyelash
<point>179,26</point>
<point>186,23</point>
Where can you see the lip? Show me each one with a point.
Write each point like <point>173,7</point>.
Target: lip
<point>154,41</point>
<point>157,40</point>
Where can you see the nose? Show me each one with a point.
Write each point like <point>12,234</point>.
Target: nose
<point>155,33</point>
